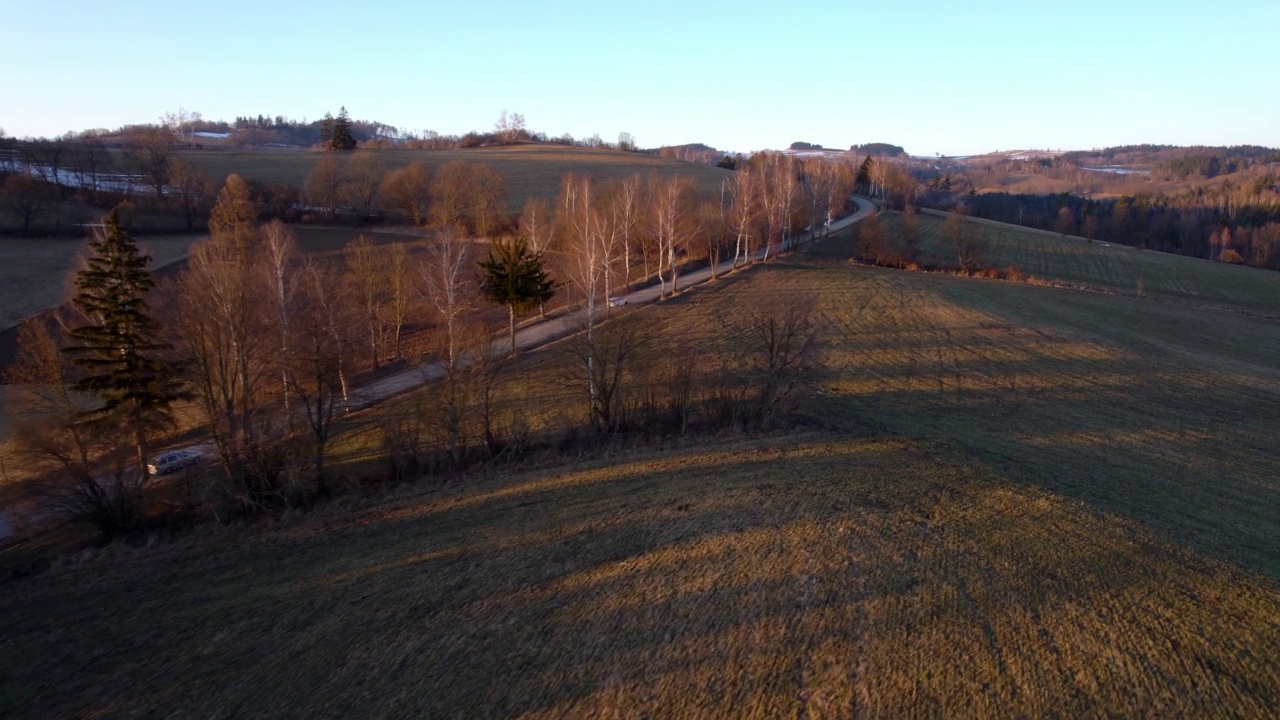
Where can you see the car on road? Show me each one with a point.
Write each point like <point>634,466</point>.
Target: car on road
<point>172,461</point>
<point>617,301</point>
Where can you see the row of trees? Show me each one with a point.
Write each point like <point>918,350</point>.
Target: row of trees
<point>265,342</point>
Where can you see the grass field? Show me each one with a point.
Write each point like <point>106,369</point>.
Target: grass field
<point>1012,501</point>
<point>1118,267</point>
<point>35,273</point>
<point>530,170</point>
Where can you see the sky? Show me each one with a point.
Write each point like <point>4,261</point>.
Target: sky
<point>954,78</point>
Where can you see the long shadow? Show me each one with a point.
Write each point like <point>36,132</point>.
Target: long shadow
<point>1207,483</point>
<point>524,584</point>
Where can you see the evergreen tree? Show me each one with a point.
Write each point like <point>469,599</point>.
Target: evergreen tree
<point>118,348</point>
<point>326,131</point>
<point>342,138</point>
<point>864,172</point>
<point>514,276</point>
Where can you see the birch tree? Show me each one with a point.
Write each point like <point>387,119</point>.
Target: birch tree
<point>366,268</point>
<point>448,287</point>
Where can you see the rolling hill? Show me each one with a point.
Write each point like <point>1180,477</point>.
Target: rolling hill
<point>994,499</point>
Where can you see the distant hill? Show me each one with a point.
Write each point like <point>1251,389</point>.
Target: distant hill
<point>878,150</point>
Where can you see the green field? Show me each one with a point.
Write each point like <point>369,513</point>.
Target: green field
<point>1107,265</point>
<point>1011,500</point>
<point>530,170</point>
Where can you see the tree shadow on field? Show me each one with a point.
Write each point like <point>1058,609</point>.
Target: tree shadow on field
<point>1182,448</point>
<point>683,576</point>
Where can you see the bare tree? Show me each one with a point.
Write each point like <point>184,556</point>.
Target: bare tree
<point>221,331</point>
<point>745,195</point>
<point>367,269</point>
<point>910,235</point>
<point>450,194</point>
<point>873,241</point>
<point>448,286</point>
<point>969,242</point>
<point>782,345</point>
<point>777,192</point>
<point>180,121</point>
<point>150,149</point>
<point>510,128</point>
<point>408,190</point>
<point>585,233</point>
<point>628,207</point>
<point>364,178</point>
<point>400,293</point>
<point>28,197</point>
<point>89,158</point>
<point>46,158</point>
<point>317,374</point>
<point>279,251</point>
<point>191,188</point>
<point>671,214</point>
<point>601,360</point>
<point>713,225</point>
<point>536,224</point>
<point>488,190</point>
<point>323,186</point>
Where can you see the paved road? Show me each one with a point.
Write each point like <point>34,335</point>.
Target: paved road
<point>541,333</point>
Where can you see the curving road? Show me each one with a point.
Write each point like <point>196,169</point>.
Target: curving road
<point>541,333</point>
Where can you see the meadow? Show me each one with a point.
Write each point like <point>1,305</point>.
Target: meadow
<point>995,499</point>
<point>531,170</point>
<point>1106,265</point>
<point>36,274</point>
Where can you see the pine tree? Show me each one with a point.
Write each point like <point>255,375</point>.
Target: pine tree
<point>326,131</point>
<point>342,138</point>
<point>118,348</point>
<point>514,276</point>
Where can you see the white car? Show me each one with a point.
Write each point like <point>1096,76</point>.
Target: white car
<point>172,461</point>
<point>617,301</point>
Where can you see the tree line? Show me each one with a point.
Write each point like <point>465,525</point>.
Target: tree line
<point>265,348</point>
<point>1234,219</point>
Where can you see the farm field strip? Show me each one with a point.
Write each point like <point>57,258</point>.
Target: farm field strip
<point>1110,266</point>
<point>531,171</point>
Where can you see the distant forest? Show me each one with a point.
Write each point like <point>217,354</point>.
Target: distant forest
<point>1217,203</point>
<point>879,150</point>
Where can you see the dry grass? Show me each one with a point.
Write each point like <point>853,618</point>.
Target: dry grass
<point>1107,265</point>
<point>1025,501</point>
<point>35,273</point>
<point>817,576</point>
<point>530,170</point>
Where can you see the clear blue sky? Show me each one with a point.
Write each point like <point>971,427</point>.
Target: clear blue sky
<point>933,76</point>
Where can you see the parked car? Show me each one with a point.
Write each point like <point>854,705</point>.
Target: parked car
<point>172,461</point>
<point>617,301</point>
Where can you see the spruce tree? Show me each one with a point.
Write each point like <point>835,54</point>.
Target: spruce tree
<point>342,138</point>
<point>514,276</point>
<point>118,347</point>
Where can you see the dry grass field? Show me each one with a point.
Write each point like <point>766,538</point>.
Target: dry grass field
<point>1107,265</point>
<point>35,274</point>
<point>532,170</point>
<point>1010,501</point>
